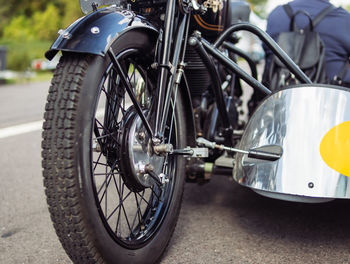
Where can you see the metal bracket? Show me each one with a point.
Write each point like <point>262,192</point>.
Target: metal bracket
<point>252,153</point>
<point>192,152</point>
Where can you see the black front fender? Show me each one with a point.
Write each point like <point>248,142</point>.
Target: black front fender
<point>95,32</point>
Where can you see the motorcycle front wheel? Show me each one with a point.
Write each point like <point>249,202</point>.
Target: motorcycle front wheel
<point>104,205</point>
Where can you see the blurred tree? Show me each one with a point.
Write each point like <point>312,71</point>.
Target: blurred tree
<point>258,6</point>
<point>46,24</point>
<point>20,28</point>
<point>65,11</point>
<point>28,28</point>
<point>71,11</point>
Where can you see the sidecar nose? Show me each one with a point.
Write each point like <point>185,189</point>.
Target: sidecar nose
<point>311,124</point>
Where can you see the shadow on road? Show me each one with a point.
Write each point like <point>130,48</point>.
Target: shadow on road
<point>225,221</point>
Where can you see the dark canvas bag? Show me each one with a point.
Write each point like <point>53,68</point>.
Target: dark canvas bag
<point>306,49</point>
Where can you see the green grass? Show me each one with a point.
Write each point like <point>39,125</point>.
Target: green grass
<point>21,54</point>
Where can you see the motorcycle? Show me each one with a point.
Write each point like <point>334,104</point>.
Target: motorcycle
<point>145,97</point>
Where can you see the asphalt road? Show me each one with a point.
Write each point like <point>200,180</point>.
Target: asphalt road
<point>220,222</point>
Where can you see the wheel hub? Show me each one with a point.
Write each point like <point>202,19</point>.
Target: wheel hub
<point>137,157</point>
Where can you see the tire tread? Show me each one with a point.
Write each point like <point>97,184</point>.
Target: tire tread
<point>60,182</point>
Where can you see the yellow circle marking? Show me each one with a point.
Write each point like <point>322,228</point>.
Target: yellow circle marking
<point>335,148</point>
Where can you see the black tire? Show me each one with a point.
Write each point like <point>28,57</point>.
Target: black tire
<point>80,182</point>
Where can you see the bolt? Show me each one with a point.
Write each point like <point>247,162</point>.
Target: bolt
<point>140,168</point>
<point>149,168</point>
<point>154,65</point>
<point>197,34</point>
<point>95,30</point>
<point>156,141</point>
<point>141,136</point>
<point>192,41</point>
<point>163,149</point>
<point>311,185</point>
<point>163,178</point>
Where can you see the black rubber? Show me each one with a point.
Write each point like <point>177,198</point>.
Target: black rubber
<point>67,170</point>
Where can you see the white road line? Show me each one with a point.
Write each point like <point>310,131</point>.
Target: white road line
<point>20,129</point>
<point>29,127</point>
<point>32,126</point>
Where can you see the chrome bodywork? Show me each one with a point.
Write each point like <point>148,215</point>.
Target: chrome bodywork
<point>296,119</point>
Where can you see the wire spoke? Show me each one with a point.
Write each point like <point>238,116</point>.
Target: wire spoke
<point>110,94</point>
<point>98,162</point>
<point>106,193</point>
<point>143,199</point>
<point>109,106</point>
<point>126,211</point>
<point>157,195</point>
<point>118,206</point>
<point>103,127</point>
<point>139,204</point>
<point>108,175</point>
<point>104,136</point>
<point>138,212</point>
<point>119,213</point>
<point>107,184</point>
<point>102,174</point>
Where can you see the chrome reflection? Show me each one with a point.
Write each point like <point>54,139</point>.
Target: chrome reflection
<point>296,119</point>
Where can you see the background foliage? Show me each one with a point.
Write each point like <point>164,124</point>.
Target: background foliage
<point>27,28</point>
<point>258,6</point>
<point>60,12</point>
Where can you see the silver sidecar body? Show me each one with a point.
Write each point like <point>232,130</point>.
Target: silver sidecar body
<point>312,125</point>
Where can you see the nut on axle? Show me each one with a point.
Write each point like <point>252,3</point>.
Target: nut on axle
<point>163,149</point>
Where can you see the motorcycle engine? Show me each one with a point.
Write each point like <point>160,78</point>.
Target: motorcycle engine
<point>197,74</point>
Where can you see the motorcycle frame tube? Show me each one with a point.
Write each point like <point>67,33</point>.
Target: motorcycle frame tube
<point>264,37</point>
<point>109,24</point>
<point>243,55</point>
<point>234,67</point>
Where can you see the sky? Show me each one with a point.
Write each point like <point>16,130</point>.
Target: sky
<point>273,3</point>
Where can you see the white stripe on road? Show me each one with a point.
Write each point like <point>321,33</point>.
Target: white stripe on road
<point>20,129</point>
<point>29,127</point>
<point>36,125</point>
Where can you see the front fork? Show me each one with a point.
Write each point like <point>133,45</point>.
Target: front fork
<point>170,71</point>
<point>170,65</point>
